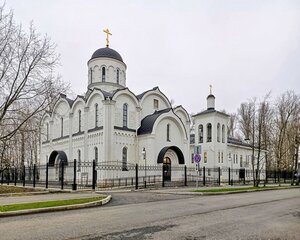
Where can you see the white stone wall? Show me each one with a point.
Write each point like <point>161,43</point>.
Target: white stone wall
<point>111,67</point>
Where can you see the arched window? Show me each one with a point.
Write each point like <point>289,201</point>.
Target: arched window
<point>209,133</point>
<point>218,132</point>
<point>79,120</point>
<point>79,158</point>
<point>91,75</point>
<point>103,74</point>
<point>96,154</point>
<point>96,115</point>
<point>168,132</point>
<point>118,76</point>
<point>200,133</point>
<point>124,159</point>
<point>125,114</point>
<point>47,131</point>
<point>61,126</point>
<point>223,133</point>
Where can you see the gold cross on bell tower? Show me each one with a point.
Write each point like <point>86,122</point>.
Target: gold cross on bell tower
<point>107,36</point>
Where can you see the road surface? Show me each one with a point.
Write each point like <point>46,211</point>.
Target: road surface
<point>148,215</point>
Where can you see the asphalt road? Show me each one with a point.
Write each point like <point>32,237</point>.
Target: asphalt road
<point>149,215</point>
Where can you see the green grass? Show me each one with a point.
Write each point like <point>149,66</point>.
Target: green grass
<point>56,203</point>
<point>216,190</point>
<point>5,189</point>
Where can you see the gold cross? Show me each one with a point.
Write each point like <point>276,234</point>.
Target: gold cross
<point>107,34</point>
<point>210,89</point>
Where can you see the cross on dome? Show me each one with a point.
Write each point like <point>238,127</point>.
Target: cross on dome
<point>107,36</point>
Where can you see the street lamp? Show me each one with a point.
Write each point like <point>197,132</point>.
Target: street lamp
<point>144,158</point>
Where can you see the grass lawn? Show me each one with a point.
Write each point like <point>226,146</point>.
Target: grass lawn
<point>13,189</point>
<point>234,189</point>
<point>34,205</point>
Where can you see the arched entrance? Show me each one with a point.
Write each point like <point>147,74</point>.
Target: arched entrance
<point>55,160</point>
<point>167,169</point>
<point>167,156</point>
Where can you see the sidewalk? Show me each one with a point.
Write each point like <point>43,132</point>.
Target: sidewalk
<point>46,197</point>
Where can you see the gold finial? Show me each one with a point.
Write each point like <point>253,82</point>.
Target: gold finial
<point>210,89</point>
<point>107,35</point>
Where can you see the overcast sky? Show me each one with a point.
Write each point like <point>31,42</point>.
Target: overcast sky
<point>243,48</point>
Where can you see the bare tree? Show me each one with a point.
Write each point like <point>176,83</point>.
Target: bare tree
<point>27,82</point>
<point>254,123</point>
<point>286,127</point>
<point>28,87</point>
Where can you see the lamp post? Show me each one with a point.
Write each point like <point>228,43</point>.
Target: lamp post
<point>144,158</point>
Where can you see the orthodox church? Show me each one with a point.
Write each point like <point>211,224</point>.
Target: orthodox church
<point>112,125</point>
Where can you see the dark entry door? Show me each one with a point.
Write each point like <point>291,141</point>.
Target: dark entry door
<point>167,169</point>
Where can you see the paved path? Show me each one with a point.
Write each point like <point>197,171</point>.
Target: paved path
<point>258,215</point>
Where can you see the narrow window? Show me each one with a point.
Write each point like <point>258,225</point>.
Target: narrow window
<point>192,157</point>
<point>155,103</point>
<point>168,132</point>
<point>205,157</point>
<point>91,75</point>
<point>223,133</point>
<point>118,76</point>
<point>218,132</point>
<point>125,115</point>
<point>61,127</point>
<point>47,131</point>
<point>96,115</point>
<point>79,120</point>
<point>124,159</point>
<point>219,157</point>
<point>241,161</point>
<point>96,154</point>
<point>209,138</point>
<point>200,133</point>
<point>103,74</point>
<point>222,157</point>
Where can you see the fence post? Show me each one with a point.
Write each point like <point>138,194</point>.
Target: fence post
<point>136,176</point>
<point>15,176</point>
<point>219,179</point>
<point>245,176</point>
<point>284,178</point>
<point>24,175</point>
<point>185,176</point>
<point>62,175</point>
<point>163,176</point>
<point>74,186</point>
<point>275,176</point>
<point>203,176</point>
<point>34,173</point>
<point>47,169</point>
<point>94,175</point>
<point>2,175</point>
<point>229,177</point>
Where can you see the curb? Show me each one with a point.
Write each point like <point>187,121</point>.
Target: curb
<point>241,191</point>
<point>58,208</point>
<point>222,193</point>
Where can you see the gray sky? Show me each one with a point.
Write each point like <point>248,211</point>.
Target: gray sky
<point>243,48</point>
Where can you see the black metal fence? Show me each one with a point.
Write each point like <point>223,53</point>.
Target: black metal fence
<point>90,175</point>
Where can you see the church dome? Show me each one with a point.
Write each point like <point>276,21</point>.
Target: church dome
<point>107,53</point>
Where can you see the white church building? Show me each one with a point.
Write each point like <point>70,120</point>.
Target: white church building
<point>112,125</point>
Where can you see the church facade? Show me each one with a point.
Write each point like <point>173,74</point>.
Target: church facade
<point>112,125</point>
